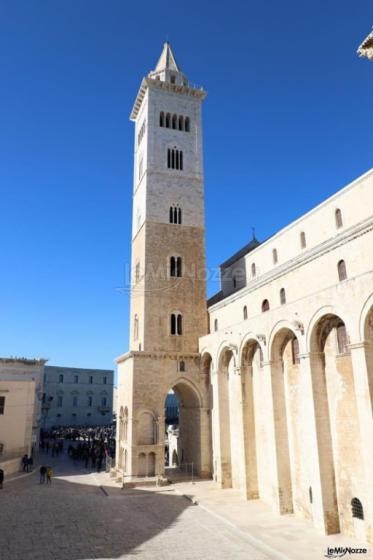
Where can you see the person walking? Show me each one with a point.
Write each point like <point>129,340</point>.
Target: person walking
<point>1,479</point>
<point>49,475</point>
<point>43,472</point>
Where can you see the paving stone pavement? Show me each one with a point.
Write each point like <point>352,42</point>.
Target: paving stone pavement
<point>74,519</point>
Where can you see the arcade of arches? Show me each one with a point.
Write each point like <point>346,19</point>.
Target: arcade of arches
<point>292,420</point>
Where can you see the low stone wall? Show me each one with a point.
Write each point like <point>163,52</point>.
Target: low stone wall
<point>11,466</point>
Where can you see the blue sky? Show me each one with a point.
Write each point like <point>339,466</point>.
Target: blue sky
<point>287,122</point>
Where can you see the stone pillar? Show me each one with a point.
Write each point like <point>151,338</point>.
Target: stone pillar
<point>319,444</point>
<point>205,427</point>
<point>282,479</point>
<point>221,449</point>
<point>248,422</point>
<point>160,437</point>
<point>360,353</point>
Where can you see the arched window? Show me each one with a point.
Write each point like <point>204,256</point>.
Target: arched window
<point>216,325</point>
<point>342,272</point>
<point>176,324</point>
<point>295,350</point>
<point>60,378</point>
<point>253,270</point>
<point>168,120</point>
<point>187,124</point>
<point>175,215</point>
<point>302,240</point>
<point>338,218</point>
<point>357,508</point>
<point>265,305</point>
<point>182,366</point>
<point>282,296</point>
<point>245,312</point>
<point>174,159</point>
<point>181,123</point>
<point>234,279</point>
<point>174,121</point>
<point>176,267</point>
<point>136,327</point>
<point>161,119</point>
<point>274,256</point>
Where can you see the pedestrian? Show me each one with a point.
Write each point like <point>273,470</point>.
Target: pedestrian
<point>49,475</point>
<point>1,478</point>
<point>43,472</point>
<point>25,462</point>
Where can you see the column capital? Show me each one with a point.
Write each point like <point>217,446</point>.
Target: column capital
<point>363,344</point>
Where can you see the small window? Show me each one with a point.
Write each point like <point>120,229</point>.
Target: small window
<point>161,119</point>
<point>342,341</point>
<point>253,270</point>
<point>60,378</point>
<point>265,305</point>
<point>75,402</point>
<point>172,79</point>
<point>76,378</point>
<point>136,328</point>
<point>89,414</point>
<point>274,256</point>
<point>338,218</point>
<point>357,508</point>
<point>90,379</point>
<point>105,380</point>
<point>174,159</point>
<point>59,401</point>
<point>245,312</point>
<point>216,325</point>
<point>187,124</point>
<point>137,273</point>
<point>174,122</point>
<point>181,123</point>
<point>179,325</point>
<point>90,401</point>
<point>168,120</point>
<point>282,296</point>
<point>182,366</point>
<point>2,405</point>
<point>176,324</point>
<point>303,240</point>
<point>176,267</point>
<point>342,272</point>
<point>104,401</point>
<point>295,350</point>
<point>234,279</point>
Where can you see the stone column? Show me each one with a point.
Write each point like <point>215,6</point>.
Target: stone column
<point>319,445</point>
<point>360,353</point>
<point>248,422</point>
<point>221,460</point>
<point>205,430</point>
<point>160,455</point>
<point>273,370</point>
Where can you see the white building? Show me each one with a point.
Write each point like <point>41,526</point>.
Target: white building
<point>77,397</point>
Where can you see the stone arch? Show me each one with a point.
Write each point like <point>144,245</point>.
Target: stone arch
<point>151,464</point>
<point>295,327</point>
<point>287,409</point>
<point>338,433</point>
<point>146,428</point>
<point>318,316</point>
<point>141,464</point>
<point>366,336</point>
<point>194,438</point>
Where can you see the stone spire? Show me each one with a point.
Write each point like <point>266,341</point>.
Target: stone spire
<point>167,69</point>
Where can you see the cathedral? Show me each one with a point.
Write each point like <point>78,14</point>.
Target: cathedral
<point>273,374</point>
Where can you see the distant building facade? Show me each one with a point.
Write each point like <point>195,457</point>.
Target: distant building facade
<point>21,390</point>
<point>76,396</point>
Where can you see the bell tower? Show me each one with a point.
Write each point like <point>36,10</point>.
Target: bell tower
<point>168,297</point>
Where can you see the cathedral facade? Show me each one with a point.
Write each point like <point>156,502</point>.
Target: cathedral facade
<point>274,374</point>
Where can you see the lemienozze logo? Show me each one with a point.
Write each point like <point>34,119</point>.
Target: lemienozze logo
<point>340,551</point>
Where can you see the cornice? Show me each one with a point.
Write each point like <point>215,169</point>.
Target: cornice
<point>300,260</point>
<point>158,355</point>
